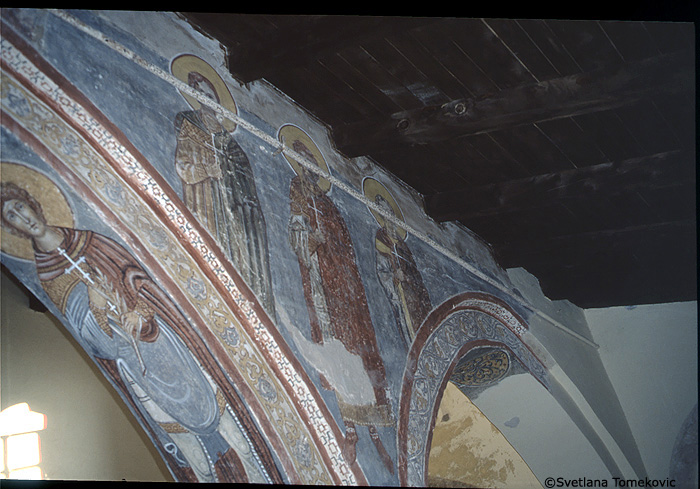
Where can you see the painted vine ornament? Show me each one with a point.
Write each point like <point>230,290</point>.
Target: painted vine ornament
<point>485,368</point>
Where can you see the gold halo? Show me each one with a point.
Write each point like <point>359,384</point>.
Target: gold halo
<point>57,212</point>
<point>287,135</point>
<point>186,63</point>
<point>371,188</point>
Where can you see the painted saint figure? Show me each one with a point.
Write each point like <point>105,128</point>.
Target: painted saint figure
<point>336,300</point>
<point>125,321</point>
<point>219,188</point>
<point>399,276</point>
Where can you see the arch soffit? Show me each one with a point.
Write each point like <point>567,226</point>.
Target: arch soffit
<point>460,324</point>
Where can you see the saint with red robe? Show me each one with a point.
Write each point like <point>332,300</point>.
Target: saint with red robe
<point>335,298</point>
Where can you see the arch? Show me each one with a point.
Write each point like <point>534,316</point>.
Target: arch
<point>235,336</point>
<point>460,324</point>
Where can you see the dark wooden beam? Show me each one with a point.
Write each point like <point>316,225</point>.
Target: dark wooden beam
<point>585,184</point>
<point>642,243</point>
<point>567,96</point>
<point>261,46</point>
<point>297,47</point>
<point>637,265</point>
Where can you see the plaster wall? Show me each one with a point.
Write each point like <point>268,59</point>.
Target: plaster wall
<point>41,365</point>
<point>515,408</point>
<point>467,448</point>
<point>650,353</point>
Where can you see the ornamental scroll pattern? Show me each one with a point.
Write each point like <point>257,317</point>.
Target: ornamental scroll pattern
<point>248,353</point>
<point>435,359</point>
<point>485,368</point>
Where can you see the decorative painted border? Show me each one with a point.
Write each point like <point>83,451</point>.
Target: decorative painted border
<point>461,323</point>
<point>153,193</point>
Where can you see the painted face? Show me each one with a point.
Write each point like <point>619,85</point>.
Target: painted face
<point>205,90</point>
<point>386,206</point>
<point>22,217</point>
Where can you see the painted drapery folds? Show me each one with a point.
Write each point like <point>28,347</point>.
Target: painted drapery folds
<point>126,322</point>
<point>58,144</point>
<point>335,297</point>
<point>217,178</point>
<point>396,267</point>
<point>263,324</point>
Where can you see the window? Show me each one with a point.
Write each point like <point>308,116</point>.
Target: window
<point>20,451</point>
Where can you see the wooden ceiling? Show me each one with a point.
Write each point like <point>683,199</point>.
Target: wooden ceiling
<point>567,146</point>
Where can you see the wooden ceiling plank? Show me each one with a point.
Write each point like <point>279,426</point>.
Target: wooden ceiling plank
<point>313,93</point>
<point>630,39</point>
<point>553,99</point>
<point>620,242</point>
<point>263,46</point>
<point>534,150</point>
<point>573,142</point>
<point>420,56</point>
<point>648,127</point>
<point>299,45</point>
<point>518,229</point>
<point>341,80</point>
<point>501,164</point>
<point>481,43</point>
<point>606,137</point>
<point>506,227</point>
<point>468,162</point>
<point>627,268</point>
<point>566,163</point>
<point>356,85</point>
<point>670,37</point>
<point>236,30</point>
<point>380,78</point>
<point>504,157</point>
<point>623,135</point>
<point>455,63</point>
<point>677,111</point>
<point>678,202</point>
<point>519,42</point>
<point>402,69</point>
<point>587,43</point>
<point>578,185</point>
<point>550,46</point>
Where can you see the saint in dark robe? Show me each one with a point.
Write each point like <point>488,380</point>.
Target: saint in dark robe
<point>219,188</point>
<point>126,322</point>
<point>400,278</point>
<point>335,299</point>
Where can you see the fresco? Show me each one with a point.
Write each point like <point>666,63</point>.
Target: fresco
<point>126,322</point>
<point>396,269</point>
<point>334,294</point>
<point>457,329</point>
<point>217,178</point>
<point>287,309</point>
<point>264,324</point>
<point>467,450</point>
<point>114,192</point>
